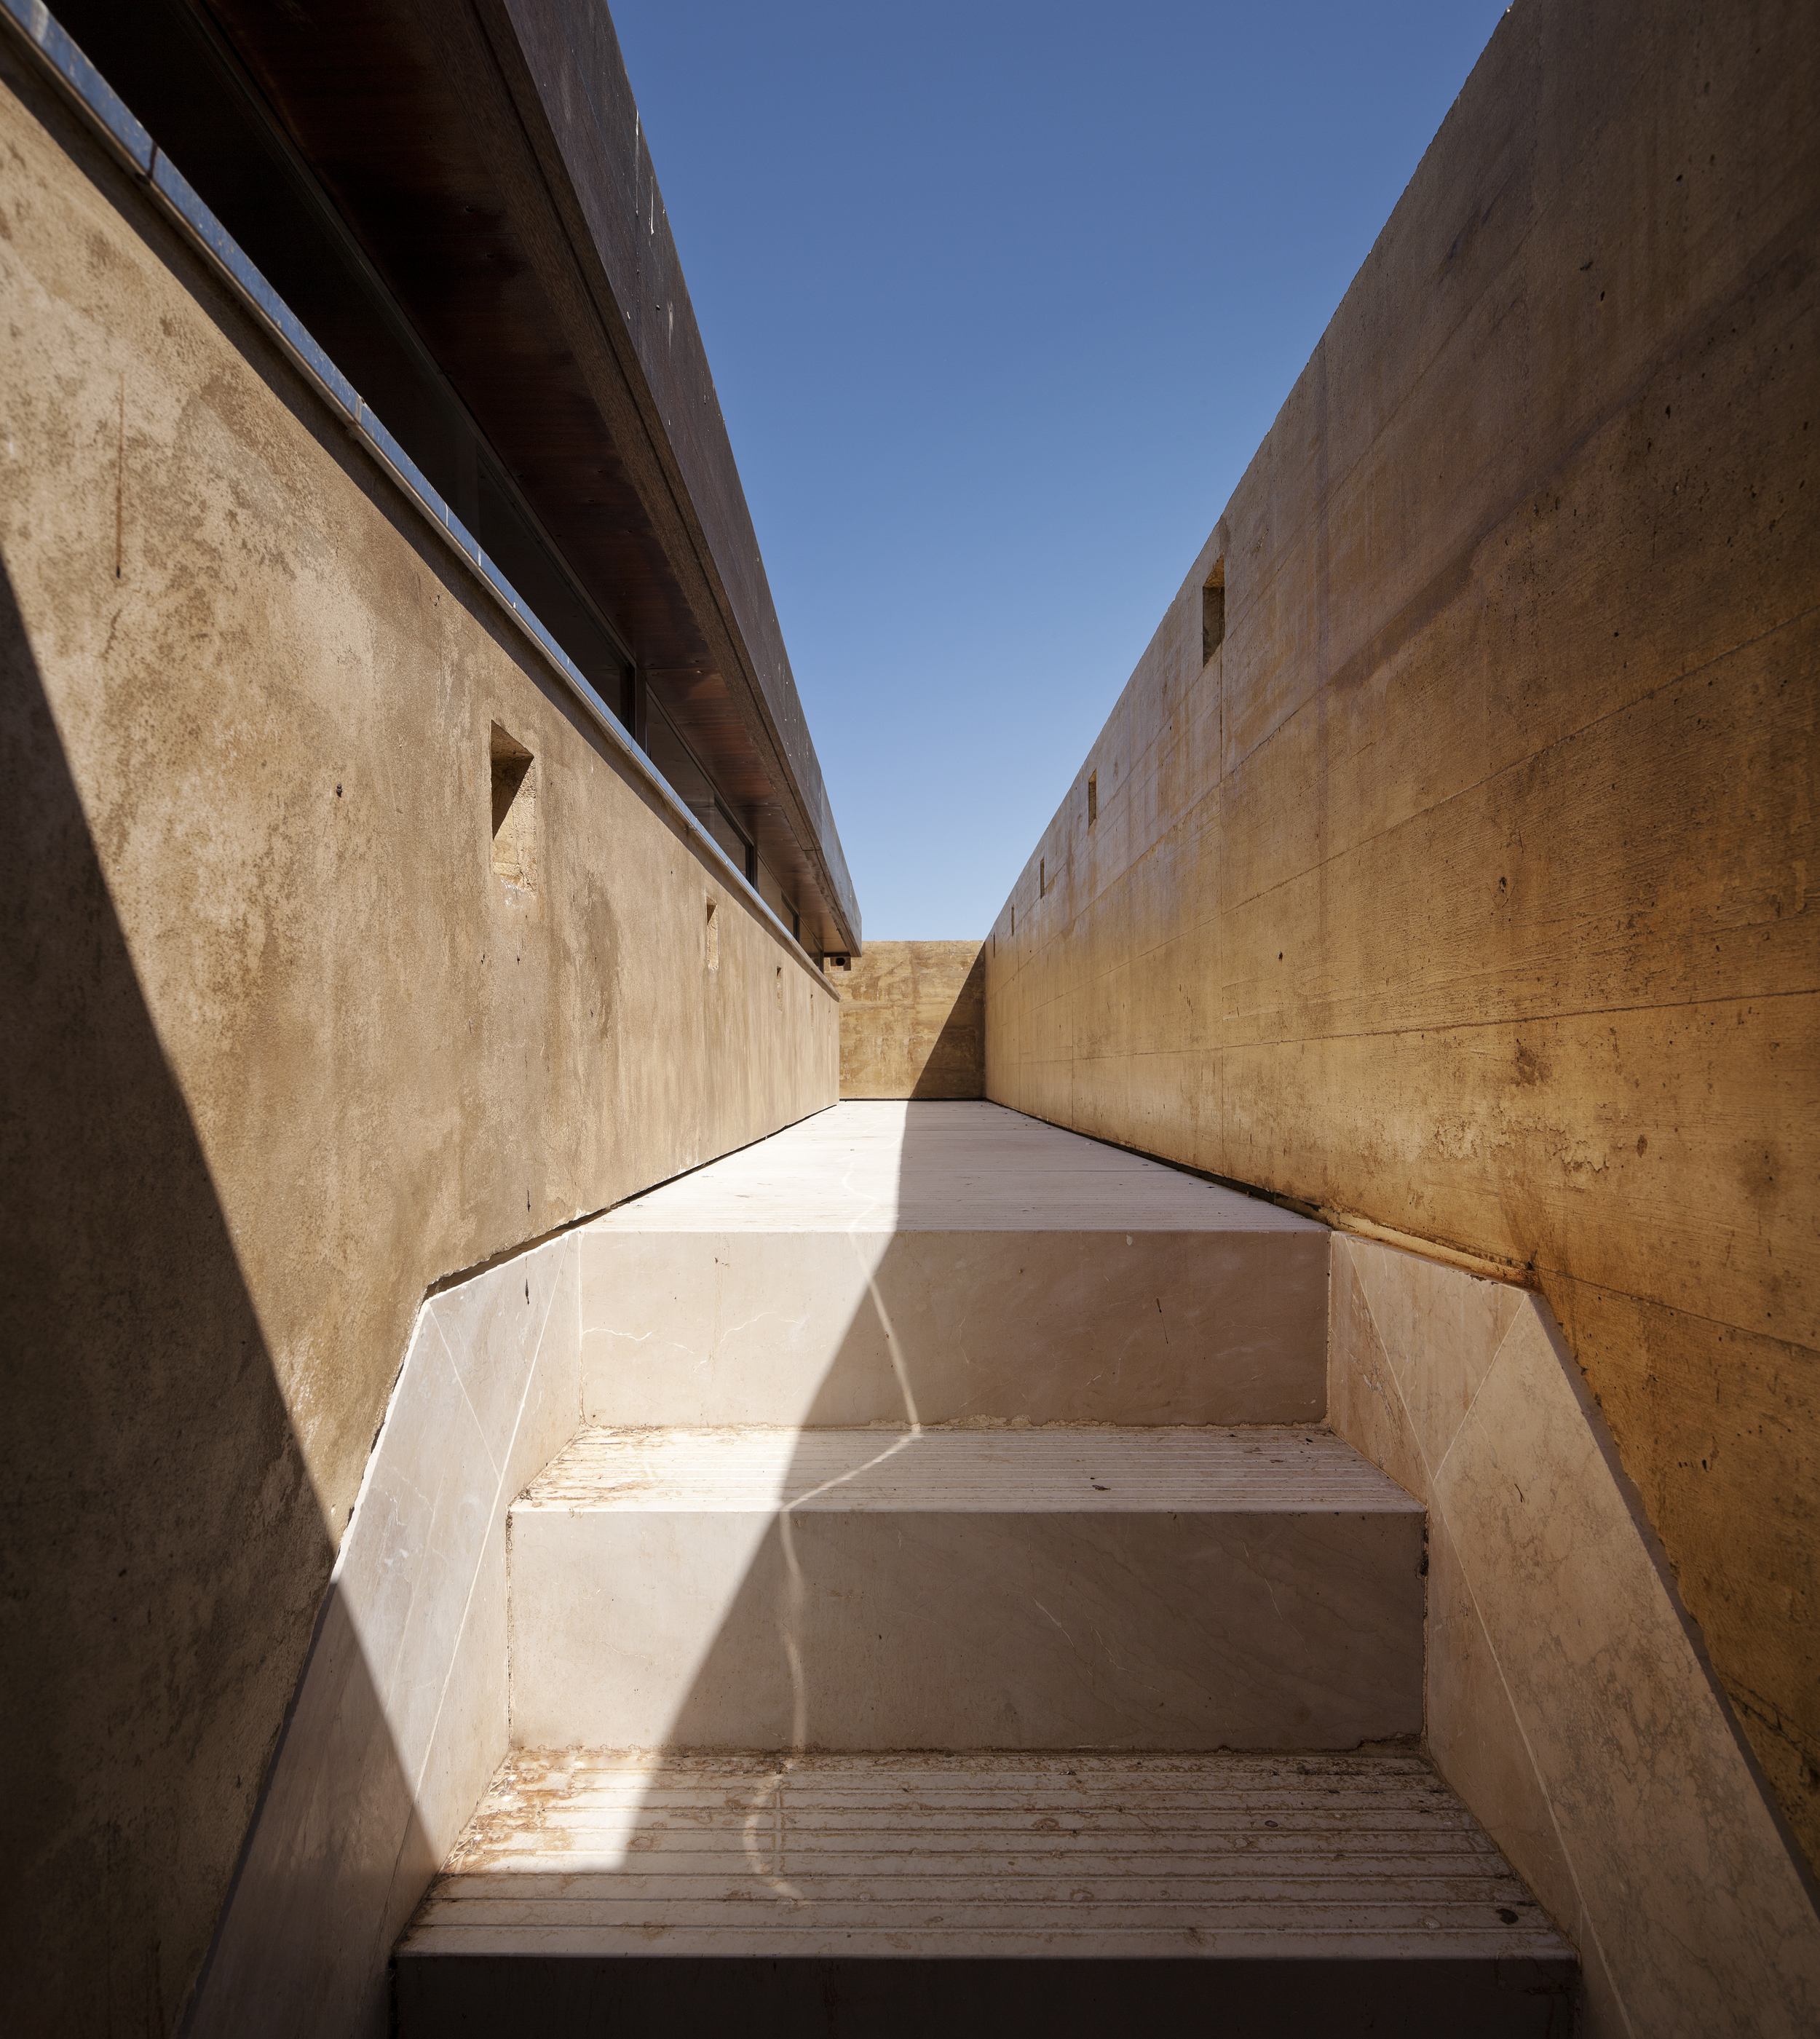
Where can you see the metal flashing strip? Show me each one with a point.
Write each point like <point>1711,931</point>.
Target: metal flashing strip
<point>104,110</point>
<point>64,58</point>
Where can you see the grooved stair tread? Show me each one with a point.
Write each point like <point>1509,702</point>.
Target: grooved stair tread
<point>1044,1470</point>
<point>603,1853</point>
<point>871,1166</point>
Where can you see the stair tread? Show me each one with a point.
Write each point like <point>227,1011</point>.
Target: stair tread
<point>870,1167</point>
<point>1108,1469</point>
<point>601,1852</point>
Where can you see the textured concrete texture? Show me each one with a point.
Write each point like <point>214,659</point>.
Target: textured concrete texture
<point>1461,888</point>
<point>913,1020</point>
<point>286,1046</point>
<point>1567,1699</point>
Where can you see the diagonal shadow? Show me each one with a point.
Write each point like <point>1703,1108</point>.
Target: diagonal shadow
<point>796,1649</point>
<point>787,1625</point>
<point>956,1064</point>
<point>164,1552</point>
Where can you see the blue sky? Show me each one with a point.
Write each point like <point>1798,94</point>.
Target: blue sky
<point>1000,299</point>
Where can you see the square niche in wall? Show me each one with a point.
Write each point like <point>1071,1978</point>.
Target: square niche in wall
<point>1213,610</point>
<point>514,810</point>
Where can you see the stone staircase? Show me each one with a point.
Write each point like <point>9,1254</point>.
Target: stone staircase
<point>953,1616</point>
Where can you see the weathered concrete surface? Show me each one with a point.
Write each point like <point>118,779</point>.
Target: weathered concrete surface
<point>913,1020</point>
<point>1465,888</point>
<point>283,1048</point>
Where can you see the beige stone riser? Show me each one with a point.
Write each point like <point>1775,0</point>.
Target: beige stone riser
<point>1038,1626</point>
<point>834,1328</point>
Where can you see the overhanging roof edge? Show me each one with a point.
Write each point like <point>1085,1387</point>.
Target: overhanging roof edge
<point>572,85</point>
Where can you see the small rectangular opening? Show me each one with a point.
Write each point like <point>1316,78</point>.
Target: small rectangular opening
<point>713,938</point>
<point>514,807</point>
<point>1092,798</point>
<point>1213,610</point>
<point>1042,877</point>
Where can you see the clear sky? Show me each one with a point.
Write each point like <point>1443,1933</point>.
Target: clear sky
<point>1000,299</point>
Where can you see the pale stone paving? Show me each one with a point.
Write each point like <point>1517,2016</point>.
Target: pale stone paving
<point>881,1166</point>
<point>1100,1468</point>
<point>589,1851</point>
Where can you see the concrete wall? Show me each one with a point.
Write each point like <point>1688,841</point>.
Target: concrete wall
<point>913,1020</point>
<point>1462,892</point>
<point>284,1050</point>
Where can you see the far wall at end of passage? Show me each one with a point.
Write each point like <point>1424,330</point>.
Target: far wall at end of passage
<point>913,1020</point>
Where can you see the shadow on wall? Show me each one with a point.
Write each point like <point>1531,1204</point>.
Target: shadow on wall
<point>956,1064</point>
<point>164,1553</point>
<point>912,1021</point>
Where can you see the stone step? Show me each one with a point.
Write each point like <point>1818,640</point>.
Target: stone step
<point>1062,1894</point>
<point>1073,1587</point>
<point>938,1263</point>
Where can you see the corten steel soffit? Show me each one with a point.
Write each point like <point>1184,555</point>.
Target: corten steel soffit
<point>471,225</point>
